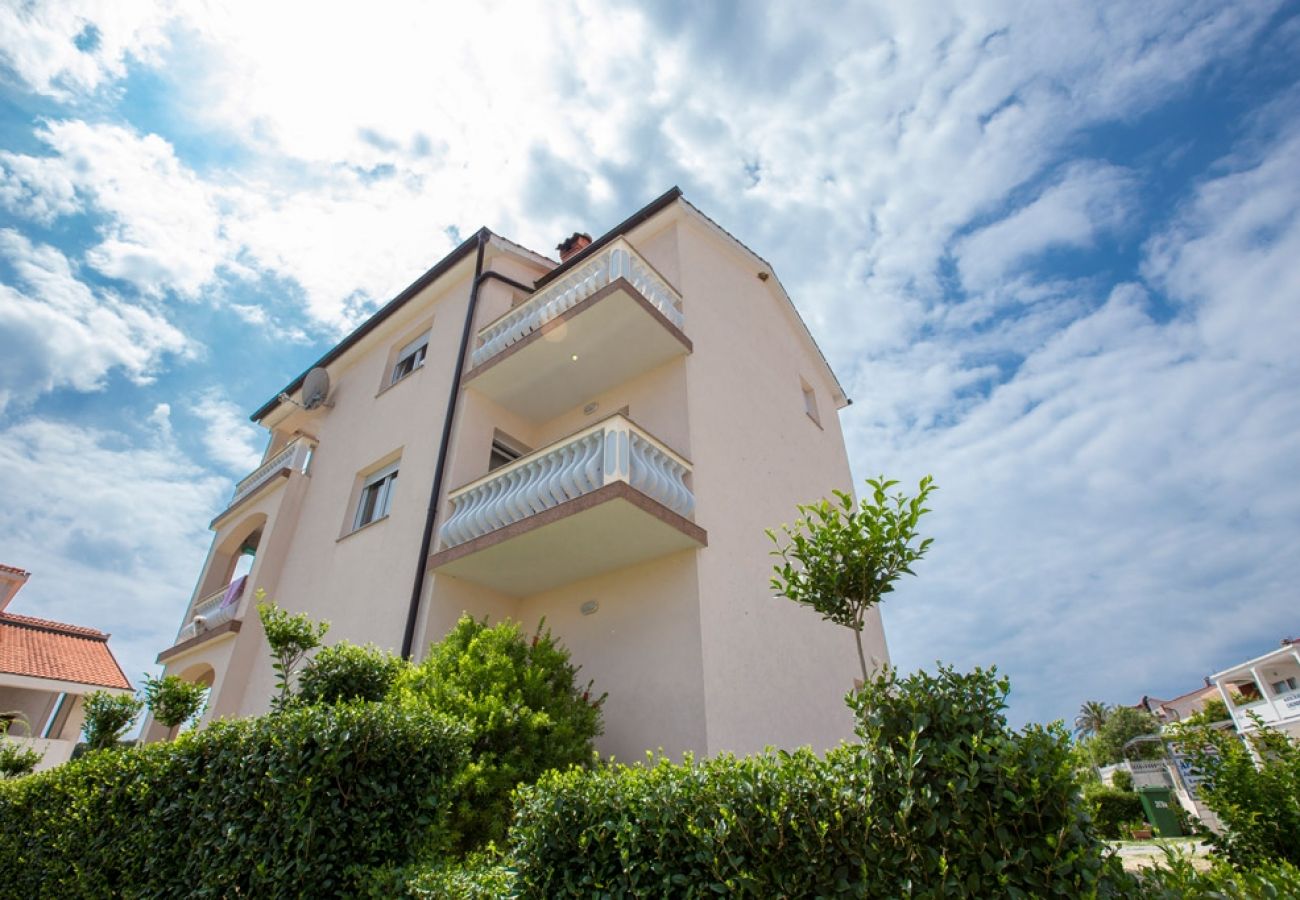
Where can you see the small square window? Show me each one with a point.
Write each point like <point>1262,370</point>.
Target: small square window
<point>1283,686</point>
<point>410,358</point>
<point>376,496</point>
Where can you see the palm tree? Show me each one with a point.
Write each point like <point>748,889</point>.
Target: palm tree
<point>1092,715</point>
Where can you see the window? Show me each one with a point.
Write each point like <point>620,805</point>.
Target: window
<point>1286,684</point>
<point>502,455</point>
<point>376,496</point>
<point>810,402</point>
<point>410,358</point>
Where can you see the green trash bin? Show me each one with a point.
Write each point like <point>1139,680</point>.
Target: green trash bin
<point>1157,803</point>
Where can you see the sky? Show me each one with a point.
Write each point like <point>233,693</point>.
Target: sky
<point>1052,250</point>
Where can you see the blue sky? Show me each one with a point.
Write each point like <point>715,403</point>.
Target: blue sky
<point>1052,250</point>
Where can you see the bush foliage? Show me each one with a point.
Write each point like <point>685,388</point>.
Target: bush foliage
<point>300,803</point>
<point>347,671</point>
<point>524,713</point>
<point>108,716</point>
<point>174,701</point>
<point>1112,809</point>
<point>1258,806</point>
<point>939,799</point>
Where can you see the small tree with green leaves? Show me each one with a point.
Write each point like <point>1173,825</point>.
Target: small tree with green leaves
<point>1123,724</point>
<point>108,716</point>
<point>841,558</point>
<point>291,638</point>
<point>15,759</point>
<point>174,701</point>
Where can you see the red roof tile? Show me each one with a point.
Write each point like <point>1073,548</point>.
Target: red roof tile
<point>14,570</point>
<point>41,648</point>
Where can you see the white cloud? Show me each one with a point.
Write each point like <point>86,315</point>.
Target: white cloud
<point>40,41</point>
<point>1117,518</point>
<point>59,332</point>
<point>113,535</point>
<point>161,227</point>
<point>1088,198</point>
<point>229,438</point>
<point>31,188</point>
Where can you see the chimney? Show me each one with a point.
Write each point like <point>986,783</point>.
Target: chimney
<point>573,245</point>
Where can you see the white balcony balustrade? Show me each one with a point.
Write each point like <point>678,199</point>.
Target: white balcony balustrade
<point>611,451</point>
<point>209,612</point>
<point>617,261</point>
<point>295,457</point>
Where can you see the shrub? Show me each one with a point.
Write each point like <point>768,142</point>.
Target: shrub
<point>1111,809</point>
<point>108,716</point>
<point>291,637</point>
<point>524,713</point>
<point>349,672</point>
<point>940,798</point>
<point>479,876</point>
<point>15,759</point>
<point>1122,780</point>
<point>1258,806</point>
<point>286,805</point>
<point>172,700</point>
<point>1177,879</point>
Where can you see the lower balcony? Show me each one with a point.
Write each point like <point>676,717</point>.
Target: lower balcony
<point>607,497</point>
<point>213,616</point>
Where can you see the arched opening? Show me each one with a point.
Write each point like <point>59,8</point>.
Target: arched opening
<point>234,557</point>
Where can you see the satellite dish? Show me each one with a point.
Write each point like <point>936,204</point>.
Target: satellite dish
<point>316,389</point>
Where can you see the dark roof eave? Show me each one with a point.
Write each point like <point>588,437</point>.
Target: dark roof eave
<point>439,269</point>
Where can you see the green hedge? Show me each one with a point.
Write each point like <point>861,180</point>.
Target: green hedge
<point>297,804</point>
<point>939,799</point>
<point>1111,809</point>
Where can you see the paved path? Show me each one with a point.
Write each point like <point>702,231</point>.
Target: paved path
<point>1135,854</point>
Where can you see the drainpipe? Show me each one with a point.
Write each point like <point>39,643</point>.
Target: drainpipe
<point>453,402</point>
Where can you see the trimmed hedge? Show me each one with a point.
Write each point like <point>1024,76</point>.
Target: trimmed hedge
<point>940,799</point>
<point>301,803</point>
<point>1111,809</point>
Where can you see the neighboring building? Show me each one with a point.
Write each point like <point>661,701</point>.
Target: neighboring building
<point>1168,712</point>
<point>623,426</point>
<point>46,669</point>
<point>1267,687</point>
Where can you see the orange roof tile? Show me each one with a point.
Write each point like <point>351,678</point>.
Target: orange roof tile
<point>13,569</point>
<point>41,648</point>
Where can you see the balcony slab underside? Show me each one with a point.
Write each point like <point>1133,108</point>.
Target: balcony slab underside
<point>616,334</point>
<point>612,527</point>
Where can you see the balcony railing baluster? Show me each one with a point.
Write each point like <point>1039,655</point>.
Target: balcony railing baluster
<point>615,450</point>
<point>618,261</point>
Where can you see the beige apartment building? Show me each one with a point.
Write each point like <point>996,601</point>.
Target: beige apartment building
<point>600,442</point>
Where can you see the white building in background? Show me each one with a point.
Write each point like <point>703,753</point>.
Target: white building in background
<point>1267,687</point>
<point>600,442</point>
<point>46,670</point>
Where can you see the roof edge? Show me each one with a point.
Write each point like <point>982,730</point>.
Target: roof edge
<point>377,318</point>
<point>53,627</point>
<point>654,206</point>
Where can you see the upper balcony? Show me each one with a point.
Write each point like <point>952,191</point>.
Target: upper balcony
<point>606,322</point>
<point>295,457</point>
<point>608,496</point>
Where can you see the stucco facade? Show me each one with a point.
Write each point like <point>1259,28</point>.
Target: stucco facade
<point>623,428</point>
